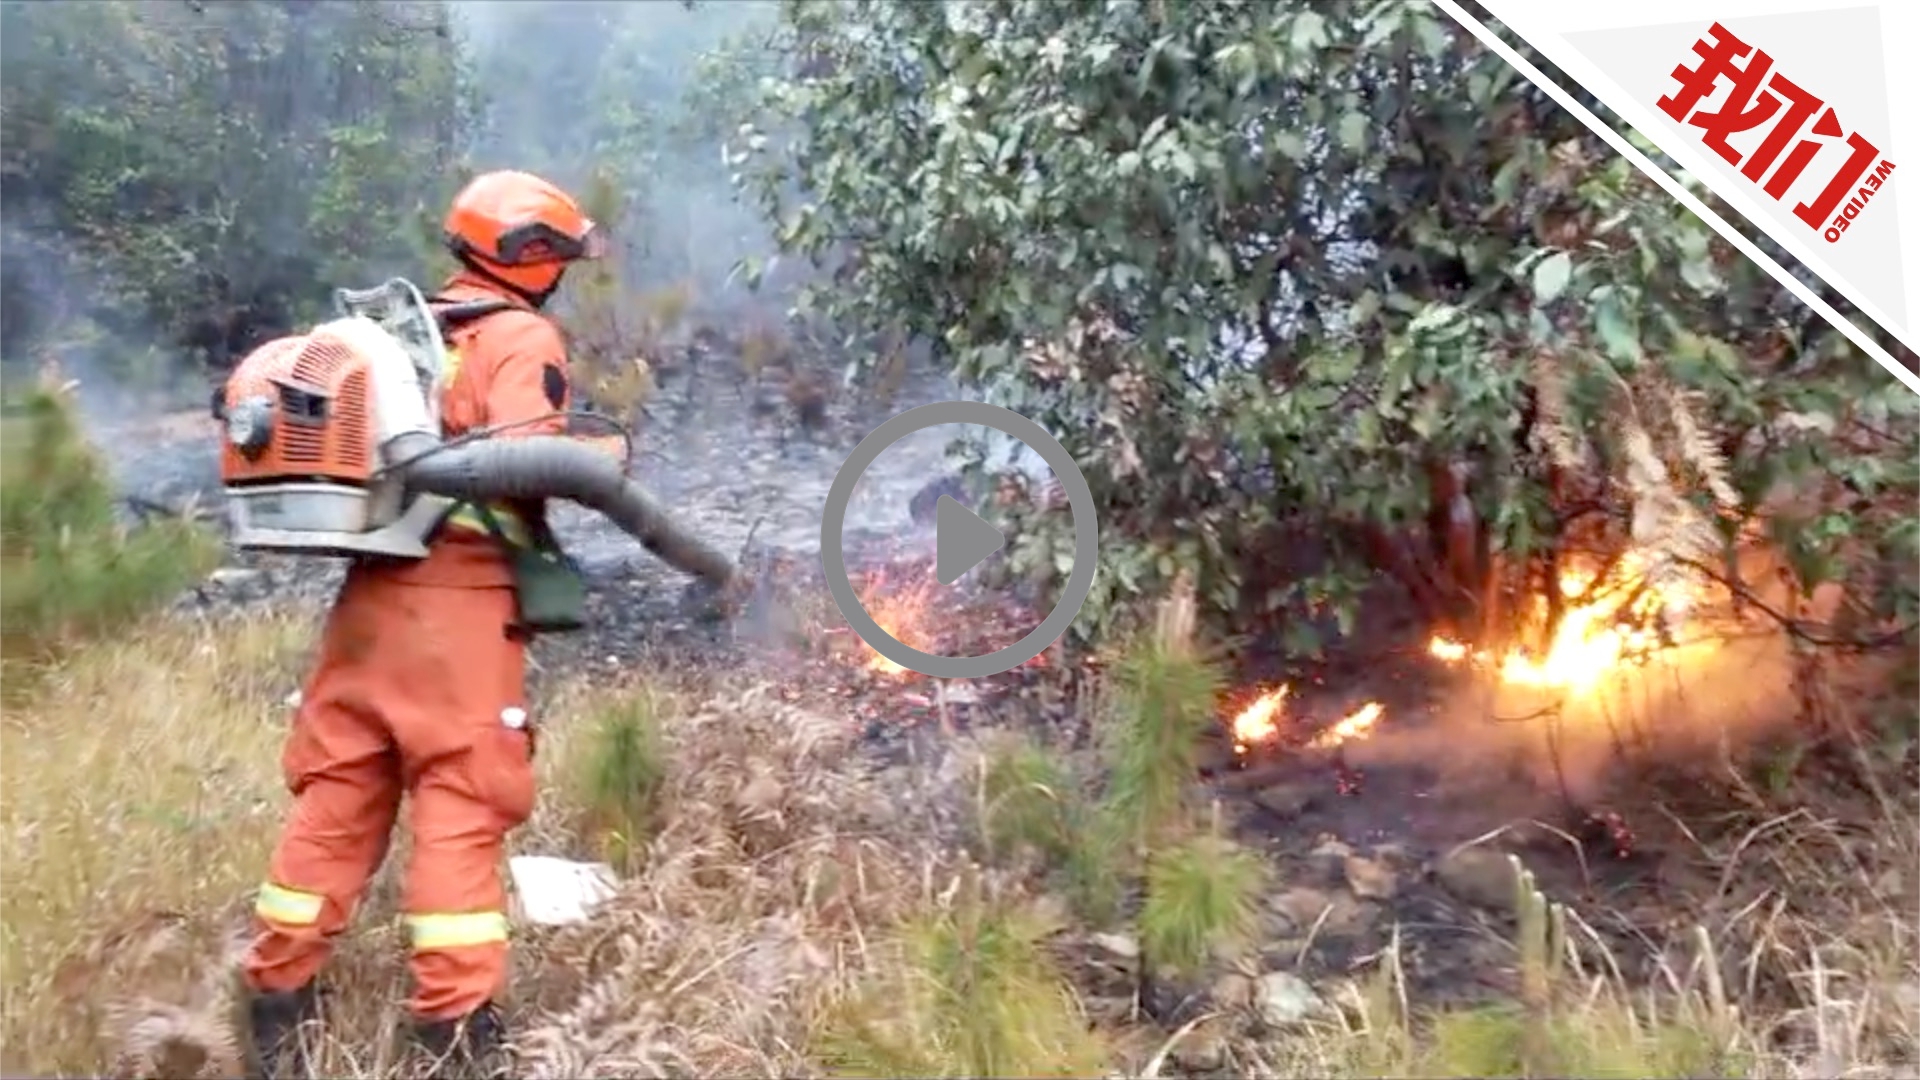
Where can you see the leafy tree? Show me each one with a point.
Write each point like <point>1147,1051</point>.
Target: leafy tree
<point>200,175</point>
<point>1322,270</point>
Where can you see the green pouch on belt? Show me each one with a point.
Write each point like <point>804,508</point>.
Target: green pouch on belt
<point>550,595</point>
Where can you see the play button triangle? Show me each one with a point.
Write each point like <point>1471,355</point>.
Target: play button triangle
<point>962,540</point>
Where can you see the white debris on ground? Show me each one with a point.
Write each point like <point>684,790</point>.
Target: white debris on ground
<point>549,891</point>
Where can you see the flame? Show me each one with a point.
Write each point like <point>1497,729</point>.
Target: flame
<point>1594,638</point>
<point>900,613</point>
<point>1259,722</point>
<point>1350,727</point>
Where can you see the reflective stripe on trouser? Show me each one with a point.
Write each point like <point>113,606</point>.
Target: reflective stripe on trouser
<point>410,697</point>
<point>289,907</point>
<point>511,527</point>
<point>454,930</point>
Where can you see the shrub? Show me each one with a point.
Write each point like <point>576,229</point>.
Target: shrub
<point>72,567</point>
<point>973,994</point>
<point>623,769</point>
<point>1201,895</point>
<point>1161,702</point>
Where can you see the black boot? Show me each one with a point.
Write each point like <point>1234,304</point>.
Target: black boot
<point>472,1046</point>
<point>279,1043</point>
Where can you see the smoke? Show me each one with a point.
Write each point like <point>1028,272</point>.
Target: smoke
<point>642,95</point>
<point>1690,710</point>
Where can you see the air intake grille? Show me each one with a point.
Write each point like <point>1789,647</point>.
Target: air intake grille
<point>306,407</point>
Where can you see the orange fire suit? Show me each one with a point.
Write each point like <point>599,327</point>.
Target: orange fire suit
<point>419,690</point>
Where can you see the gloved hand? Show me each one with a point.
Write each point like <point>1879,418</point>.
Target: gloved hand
<point>614,446</point>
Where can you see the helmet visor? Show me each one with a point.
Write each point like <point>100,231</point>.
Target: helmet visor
<point>593,244</point>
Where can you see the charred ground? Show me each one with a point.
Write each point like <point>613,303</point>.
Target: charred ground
<point>1369,851</point>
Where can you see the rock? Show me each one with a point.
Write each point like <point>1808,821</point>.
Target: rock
<point>1370,879</point>
<point>1203,1050</point>
<point>960,693</point>
<point>1117,947</point>
<point>1329,861</point>
<point>234,577</point>
<point>1304,906</point>
<point>1300,906</point>
<point>1232,991</point>
<point>1395,853</point>
<point>1276,925</point>
<point>1287,800</point>
<point>1283,999</point>
<point>1479,876</point>
<point>1216,757</point>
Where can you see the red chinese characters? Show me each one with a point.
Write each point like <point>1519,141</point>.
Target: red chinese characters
<point>1758,95</point>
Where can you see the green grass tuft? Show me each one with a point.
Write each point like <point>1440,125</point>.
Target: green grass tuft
<point>1030,802</point>
<point>623,769</point>
<point>973,994</point>
<point>1161,703</point>
<point>1202,896</point>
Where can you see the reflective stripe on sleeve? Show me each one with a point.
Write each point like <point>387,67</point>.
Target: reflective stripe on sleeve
<point>451,931</point>
<point>277,903</point>
<point>511,527</point>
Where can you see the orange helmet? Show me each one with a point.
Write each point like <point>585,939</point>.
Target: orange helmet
<point>521,229</point>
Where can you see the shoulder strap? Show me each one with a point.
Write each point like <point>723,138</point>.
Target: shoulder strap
<point>456,315</point>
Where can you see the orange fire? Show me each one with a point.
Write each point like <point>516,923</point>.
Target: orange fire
<point>1260,721</point>
<point>901,613</point>
<point>1595,638</point>
<point>1350,727</point>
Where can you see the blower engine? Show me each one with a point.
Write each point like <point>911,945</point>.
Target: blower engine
<point>333,446</point>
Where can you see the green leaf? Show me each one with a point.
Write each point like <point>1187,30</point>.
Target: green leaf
<point>1366,433</point>
<point>1700,276</point>
<point>1353,130</point>
<point>1221,261</point>
<point>1617,335</point>
<point>1300,639</point>
<point>1550,277</point>
<point>1309,31</point>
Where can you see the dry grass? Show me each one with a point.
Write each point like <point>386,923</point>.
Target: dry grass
<point>790,913</point>
<point>141,798</point>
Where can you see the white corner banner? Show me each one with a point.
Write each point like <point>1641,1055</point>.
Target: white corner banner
<point>1789,110</point>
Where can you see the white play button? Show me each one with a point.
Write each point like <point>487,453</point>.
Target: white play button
<point>962,540</point>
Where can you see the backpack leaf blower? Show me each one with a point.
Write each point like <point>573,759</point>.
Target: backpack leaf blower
<point>332,447</point>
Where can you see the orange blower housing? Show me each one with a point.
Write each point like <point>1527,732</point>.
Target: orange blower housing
<point>308,421</point>
<point>314,391</point>
<point>333,447</point>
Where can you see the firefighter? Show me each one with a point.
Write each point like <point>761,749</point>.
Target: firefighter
<point>419,689</point>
